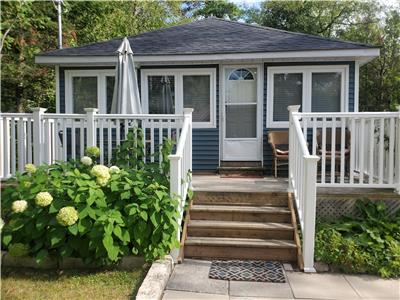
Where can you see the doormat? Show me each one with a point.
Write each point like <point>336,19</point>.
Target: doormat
<point>247,270</point>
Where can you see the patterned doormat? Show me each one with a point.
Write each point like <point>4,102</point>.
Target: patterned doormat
<point>247,270</point>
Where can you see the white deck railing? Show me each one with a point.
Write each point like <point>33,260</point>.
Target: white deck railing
<point>45,138</point>
<point>302,182</point>
<point>358,150</point>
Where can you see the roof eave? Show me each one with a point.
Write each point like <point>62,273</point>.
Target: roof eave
<point>362,55</point>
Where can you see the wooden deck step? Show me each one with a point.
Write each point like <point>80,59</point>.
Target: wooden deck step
<point>234,229</point>
<point>241,198</point>
<point>240,213</point>
<point>240,248</point>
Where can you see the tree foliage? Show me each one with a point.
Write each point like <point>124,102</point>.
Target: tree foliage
<point>213,8</point>
<point>359,21</point>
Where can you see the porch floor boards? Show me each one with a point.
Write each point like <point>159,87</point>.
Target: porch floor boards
<point>214,183</point>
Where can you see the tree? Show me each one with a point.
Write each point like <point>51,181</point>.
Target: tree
<point>212,8</point>
<point>365,22</point>
<point>30,27</point>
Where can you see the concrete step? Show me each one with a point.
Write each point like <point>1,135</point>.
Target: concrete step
<point>234,229</point>
<point>225,163</point>
<point>239,248</point>
<point>240,213</point>
<point>241,198</point>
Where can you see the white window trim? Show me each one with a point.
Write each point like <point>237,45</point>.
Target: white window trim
<point>307,86</point>
<point>178,79</point>
<point>101,87</point>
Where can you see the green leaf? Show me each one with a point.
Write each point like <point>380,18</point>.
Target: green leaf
<point>126,195</point>
<point>160,194</point>
<point>73,229</point>
<point>118,232</point>
<point>101,202</point>
<point>41,256</point>
<point>84,225</point>
<point>112,251</point>
<point>138,191</point>
<point>144,215</point>
<point>7,239</point>
<point>154,220</point>
<point>56,236</point>
<point>108,229</point>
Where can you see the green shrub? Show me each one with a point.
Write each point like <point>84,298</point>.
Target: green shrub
<point>368,244</point>
<point>75,209</point>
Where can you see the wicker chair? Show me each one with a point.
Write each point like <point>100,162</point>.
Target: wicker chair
<point>279,141</point>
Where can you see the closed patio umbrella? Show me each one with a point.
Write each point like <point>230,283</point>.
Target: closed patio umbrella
<point>126,99</point>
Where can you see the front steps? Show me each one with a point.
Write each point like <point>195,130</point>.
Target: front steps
<point>240,225</point>
<point>240,169</point>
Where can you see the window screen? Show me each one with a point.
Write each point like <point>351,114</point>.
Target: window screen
<point>288,90</point>
<point>110,81</point>
<point>196,95</point>
<point>326,91</point>
<point>161,94</point>
<point>84,93</point>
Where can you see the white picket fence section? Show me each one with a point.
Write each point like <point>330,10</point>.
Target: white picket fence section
<point>45,138</point>
<point>357,150</point>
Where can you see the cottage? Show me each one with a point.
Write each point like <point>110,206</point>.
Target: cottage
<point>239,78</point>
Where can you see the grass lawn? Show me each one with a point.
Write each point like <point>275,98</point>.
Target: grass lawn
<point>29,284</point>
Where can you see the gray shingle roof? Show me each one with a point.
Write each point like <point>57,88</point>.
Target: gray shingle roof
<point>212,36</point>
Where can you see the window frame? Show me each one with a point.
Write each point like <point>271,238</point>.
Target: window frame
<point>307,72</point>
<point>178,86</point>
<point>101,75</point>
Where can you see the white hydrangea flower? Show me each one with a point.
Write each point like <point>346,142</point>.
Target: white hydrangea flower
<point>114,169</point>
<point>67,216</point>
<point>43,199</point>
<point>86,160</point>
<point>19,206</point>
<point>30,168</point>
<point>102,173</point>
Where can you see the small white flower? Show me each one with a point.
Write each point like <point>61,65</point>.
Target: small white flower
<point>30,168</point>
<point>43,199</point>
<point>19,206</point>
<point>114,169</point>
<point>86,160</point>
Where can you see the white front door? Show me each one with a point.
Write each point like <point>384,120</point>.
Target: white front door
<point>241,113</point>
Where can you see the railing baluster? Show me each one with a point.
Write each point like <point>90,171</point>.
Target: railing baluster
<point>381,149</point>
<point>13,142</point>
<point>391,150</point>
<point>73,137</point>
<point>101,134</point>
<point>362,149</point>
<point>371,151</point>
<point>352,149</point>
<point>323,163</point>
<point>151,123</point>
<point>342,150</point>
<point>109,137</point>
<point>333,150</point>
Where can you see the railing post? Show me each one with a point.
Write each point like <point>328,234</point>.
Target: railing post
<point>188,112</point>
<point>91,126</point>
<point>397,152</point>
<point>309,210</point>
<point>292,109</point>
<point>37,128</point>
<point>176,184</point>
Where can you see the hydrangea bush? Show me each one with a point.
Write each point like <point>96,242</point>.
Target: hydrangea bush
<point>85,210</point>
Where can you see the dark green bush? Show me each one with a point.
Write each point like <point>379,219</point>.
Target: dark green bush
<point>368,244</point>
<point>90,211</point>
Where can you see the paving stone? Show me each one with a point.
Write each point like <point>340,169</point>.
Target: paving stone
<point>180,295</point>
<point>373,287</point>
<point>192,276</point>
<point>260,289</point>
<point>321,286</point>
<point>260,298</point>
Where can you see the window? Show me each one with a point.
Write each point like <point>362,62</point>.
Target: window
<point>168,91</point>
<point>87,89</point>
<point>316,88</point>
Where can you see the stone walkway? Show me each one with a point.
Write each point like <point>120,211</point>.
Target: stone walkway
<point>190,281</point>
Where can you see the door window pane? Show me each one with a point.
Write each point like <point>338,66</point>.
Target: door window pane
<point>241,121</point>
<point>161,94</point>
<point>241,86</point>
<point>288,90</point>
<point>110,81</point>
<point>196,95</point>
<point>84,93</point>
<point>326,92</point>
